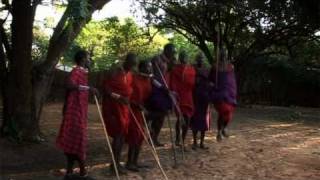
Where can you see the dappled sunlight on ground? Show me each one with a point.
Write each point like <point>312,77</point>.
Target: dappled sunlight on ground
<point>266,143</point>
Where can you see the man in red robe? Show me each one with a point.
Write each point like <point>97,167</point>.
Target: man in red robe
<point>117,89</point>
<point>182,81</point>
<point>72,137</point>
<point>141,86</point>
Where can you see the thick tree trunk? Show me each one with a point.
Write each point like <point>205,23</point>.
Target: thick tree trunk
<point>5,52</point>
<point>62,38</point>
<point>28,86</point>
<point>3,81</point>
<point>20,76</point>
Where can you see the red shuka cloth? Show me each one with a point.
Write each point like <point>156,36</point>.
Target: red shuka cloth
<point>115,114</point>
<point>225,110</point>
<point>72,137</point>
<point>182,81</point>
<point>141,91</point>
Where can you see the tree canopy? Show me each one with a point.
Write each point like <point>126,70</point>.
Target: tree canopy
<point>244,28</point>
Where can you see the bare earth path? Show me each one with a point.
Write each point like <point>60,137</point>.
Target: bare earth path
<point>267,143</point>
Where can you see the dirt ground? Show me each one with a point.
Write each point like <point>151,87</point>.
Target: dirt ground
<point>266,143</point>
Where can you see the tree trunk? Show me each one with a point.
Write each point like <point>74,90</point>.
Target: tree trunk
<point>3,83</point>
<point>29,86</point>
<point>63,36</point>
<point>4,47</point>
<point>203,46</point>
<point>20,77</point>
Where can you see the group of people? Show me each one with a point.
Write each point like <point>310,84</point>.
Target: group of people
<point>158,87</point>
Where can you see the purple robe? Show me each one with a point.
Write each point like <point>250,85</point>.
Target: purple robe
<point>200,120</point>
<point>226,88</point>
<point>159,99</point>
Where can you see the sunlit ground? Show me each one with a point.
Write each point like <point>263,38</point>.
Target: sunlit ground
<point>266,143</point>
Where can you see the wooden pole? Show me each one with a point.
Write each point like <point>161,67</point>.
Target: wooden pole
<point>153,150</point>
<point>107,137</point>
<point>173,99</point>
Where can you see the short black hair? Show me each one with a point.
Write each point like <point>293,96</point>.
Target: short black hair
<point>143,64</point>
<point>130,56</point>
<point>80,55</point>
<point>168,46</point>
<point>183,55</point>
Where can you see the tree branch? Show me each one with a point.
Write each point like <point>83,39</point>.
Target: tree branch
<point>65,32</point>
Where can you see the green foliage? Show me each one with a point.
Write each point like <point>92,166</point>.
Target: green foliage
<point>307,53</point>
<point>111,39</point>
<point>245,28</point>
<point>279,81</point>
<point>40,44</point>
<point>182,43</point>
<point>78,9</point>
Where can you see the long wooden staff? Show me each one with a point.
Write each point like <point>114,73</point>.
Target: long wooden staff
<point>107,137</point>
<point>218,51</point>
<point>173,99</point>
<point>153,150</point>
<point>172,141</point>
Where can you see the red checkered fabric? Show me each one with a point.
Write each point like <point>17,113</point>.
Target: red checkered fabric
<point>72,137</point>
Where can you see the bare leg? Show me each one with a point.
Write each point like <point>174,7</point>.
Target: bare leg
<point>82,166</point>
<point>224,133</point>
<point>117,144</point>
<point>195,143</point>
<point>178,132</point>
<point>202,140</point>
<point>156,126</point>
<point>220,125</point>
<point>70,163</point>
<point>131,164</point>
<point>185,127</point>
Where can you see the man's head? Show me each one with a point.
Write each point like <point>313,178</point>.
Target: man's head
<point>199,60</point>
<point>130,61</point>
<point>183,57</point>
<point>145,67</point>
<point>169,51</point>
<point>82,58</point>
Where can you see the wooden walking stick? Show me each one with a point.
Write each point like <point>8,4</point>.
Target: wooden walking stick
<point>151,146</point>
<point>217,54</point>
<point>173,99</point>
<point>149,135</point>
<point>107,137</point>
<point>173,144</point>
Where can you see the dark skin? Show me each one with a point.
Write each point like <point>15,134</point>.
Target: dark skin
<point>170,52</point>
<point>71,158</point>
<point>85,63</point>
<point>129,63</point>
<point>183,59</point>
<point>199,64</point>
<point>199,61</point>
<point>157,117</point>
<point>145,68</point>
<point>118,141</point>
